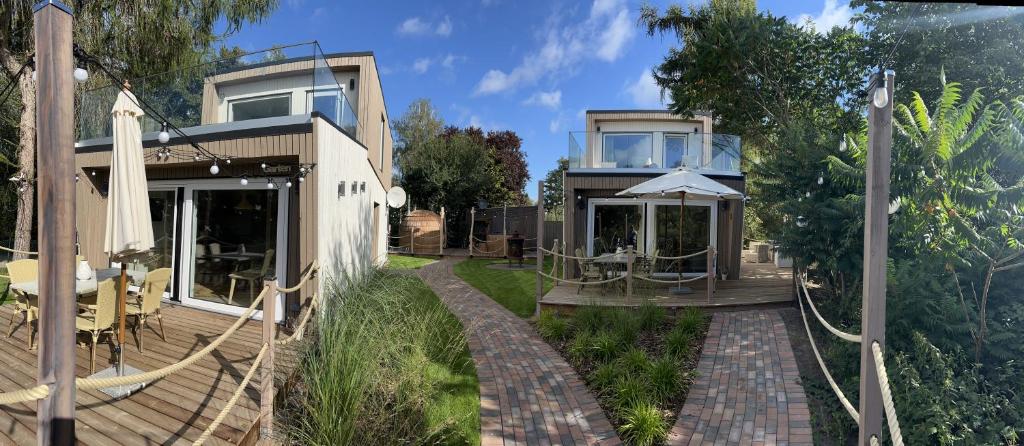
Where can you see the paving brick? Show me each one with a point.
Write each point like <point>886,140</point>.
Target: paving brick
<point>748,389</point>
<point>529,395</point>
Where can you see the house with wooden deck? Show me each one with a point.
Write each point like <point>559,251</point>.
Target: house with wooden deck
<point>301,167</point>
<point>621,149</point>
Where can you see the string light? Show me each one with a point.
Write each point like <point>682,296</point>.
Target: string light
<point>244,180</point>
<point>270,183</point>
<point>288,183</point>
<point>163,136</point>
<point>881,95</point>
<point>821,179</point>
<point>842,145</point>
<point>214,169</point>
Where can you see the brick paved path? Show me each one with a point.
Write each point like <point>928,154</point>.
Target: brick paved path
<point>529,395</point>
<point>747,392</point>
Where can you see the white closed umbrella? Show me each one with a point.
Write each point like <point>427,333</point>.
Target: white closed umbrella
<point>683,181</point>
<point>129,231</point>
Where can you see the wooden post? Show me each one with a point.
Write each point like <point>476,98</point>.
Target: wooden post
<point>876,253</point>
<point>629,275</point>
<point>540,252</point>
<point>504,230</point>
<point>472,220</point>
<point>267,381</point>
<point>441,237</point>
<point>711,272</point>
<point>412,240</point>
<point>55,419</point>
<point>554,261</point>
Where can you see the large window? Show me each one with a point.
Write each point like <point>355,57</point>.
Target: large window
<point>628,150</point>
<point>677,153</point>
<point>617,226</point>
<point>261,107</point>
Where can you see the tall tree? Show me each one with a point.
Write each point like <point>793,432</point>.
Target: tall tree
<point>510,161</point>
<point>172,34</point>
<point>554,187</point>
<point>980,47</point>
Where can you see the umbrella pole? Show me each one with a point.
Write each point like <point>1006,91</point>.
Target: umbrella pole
<point>122,307</point>
<point>680,289</point>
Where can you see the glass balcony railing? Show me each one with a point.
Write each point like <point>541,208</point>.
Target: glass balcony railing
<point>281,81</point>
<point>654,150</point>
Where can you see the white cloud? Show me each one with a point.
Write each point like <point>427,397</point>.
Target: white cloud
<point>557,124</point>
<point>644,91</point>
<point>421,65</point>
<point>415,26</point>
<point>549,99</point>
<point>449,60</point>
<point>477,121</point>
<point>832,14</point>
<point>603,35</point>
<point>444,29</point>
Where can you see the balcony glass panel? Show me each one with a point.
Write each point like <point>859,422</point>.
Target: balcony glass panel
<point>625,150</point>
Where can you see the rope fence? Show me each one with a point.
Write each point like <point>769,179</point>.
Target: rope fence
<point>15,251</point>
<point>888,405</point>
<point>234,399</point>
<point>24,395</point>
<point>574,282</point>
<point>652,279</point>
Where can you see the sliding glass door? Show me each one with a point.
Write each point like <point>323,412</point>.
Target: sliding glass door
<point>236,238</point>
<point>650,225</point>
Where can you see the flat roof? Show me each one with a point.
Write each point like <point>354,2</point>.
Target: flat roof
<point>237,129</point>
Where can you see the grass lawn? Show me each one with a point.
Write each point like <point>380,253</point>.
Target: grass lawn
<point>409,262</point>
<point>388,364</point>
<point>514,290</point>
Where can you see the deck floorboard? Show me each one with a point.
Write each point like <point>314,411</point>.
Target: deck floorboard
<point>171,411</point>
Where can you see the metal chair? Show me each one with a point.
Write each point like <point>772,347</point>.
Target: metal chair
<point>148,303</point>
<point>99,318</point>
<point>251,276</point>
<point>587,269</point>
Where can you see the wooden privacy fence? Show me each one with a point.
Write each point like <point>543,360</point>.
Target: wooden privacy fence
<point>264,359</point>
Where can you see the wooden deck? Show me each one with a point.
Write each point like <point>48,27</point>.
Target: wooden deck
<point>171,411</point>
<point>759,284</point>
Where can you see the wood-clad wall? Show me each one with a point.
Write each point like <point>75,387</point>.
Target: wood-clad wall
<point>93,170</point>
<point>574,230</point>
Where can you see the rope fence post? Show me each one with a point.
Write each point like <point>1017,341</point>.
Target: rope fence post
<point>54,116</point>
<point>711,272</point>
<point>554,261</point>
<point>504,231</point>
<point>267,381</point>
<point>412,240</point>
<point>472,221</point>
<point>629,275</point>
<point>540,252</point>
<point>876,251</point>
<point>443,235</point>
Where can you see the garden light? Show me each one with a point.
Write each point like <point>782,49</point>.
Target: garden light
<point>163,136</point>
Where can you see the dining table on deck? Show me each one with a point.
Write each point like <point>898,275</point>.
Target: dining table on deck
<point>85,287</point>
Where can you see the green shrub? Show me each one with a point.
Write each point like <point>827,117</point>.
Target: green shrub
<point>551,327</point>
<point>590,318</point>
<point>650,316</point>
<point>644,426</point>
<point>634,361</point>
<point>679,343</point>
<point>629,390</point>
<point>692,321</point>
<point>605,346</point>
<point>579,347</point>
<point>663,376</point>
<point>604,377</point>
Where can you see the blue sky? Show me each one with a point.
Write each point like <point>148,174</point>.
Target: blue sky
<point>527,66</point>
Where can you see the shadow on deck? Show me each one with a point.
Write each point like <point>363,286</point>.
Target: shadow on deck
<point>759,284</point>
<point>170,411</point>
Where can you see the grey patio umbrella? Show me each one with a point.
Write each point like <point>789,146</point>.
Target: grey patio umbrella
<point>129,231</point>
<point>683,181</point>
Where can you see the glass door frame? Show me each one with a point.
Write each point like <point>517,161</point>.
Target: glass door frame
<point>650,225</point>
<point>164,186</point>
<point>187,245</point>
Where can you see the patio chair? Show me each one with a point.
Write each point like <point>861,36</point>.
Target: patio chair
<point>251,276</point>
<point>588,270</point>
<point>99,318</point>
<point>25,270</point>
<point>148,303</point>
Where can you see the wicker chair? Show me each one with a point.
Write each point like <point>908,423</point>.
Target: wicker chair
<point>25,270</point>
<point>150,295</point>
<point>99,318</point>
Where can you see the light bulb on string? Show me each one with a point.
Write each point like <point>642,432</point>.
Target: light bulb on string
<point>263,166</point>
<point>196,157</point>
<point>244,180</point>
<point>270,183</point>
<point>288,183</point>
<point>880,97</point>
<point>81,75</point>
<point>821,179</point>
<point>808,194</point>
<point>227,160</point>
<point>842,145</point>
<point>163,136</point>
<point>302,179</point>
<point>214,169</point>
